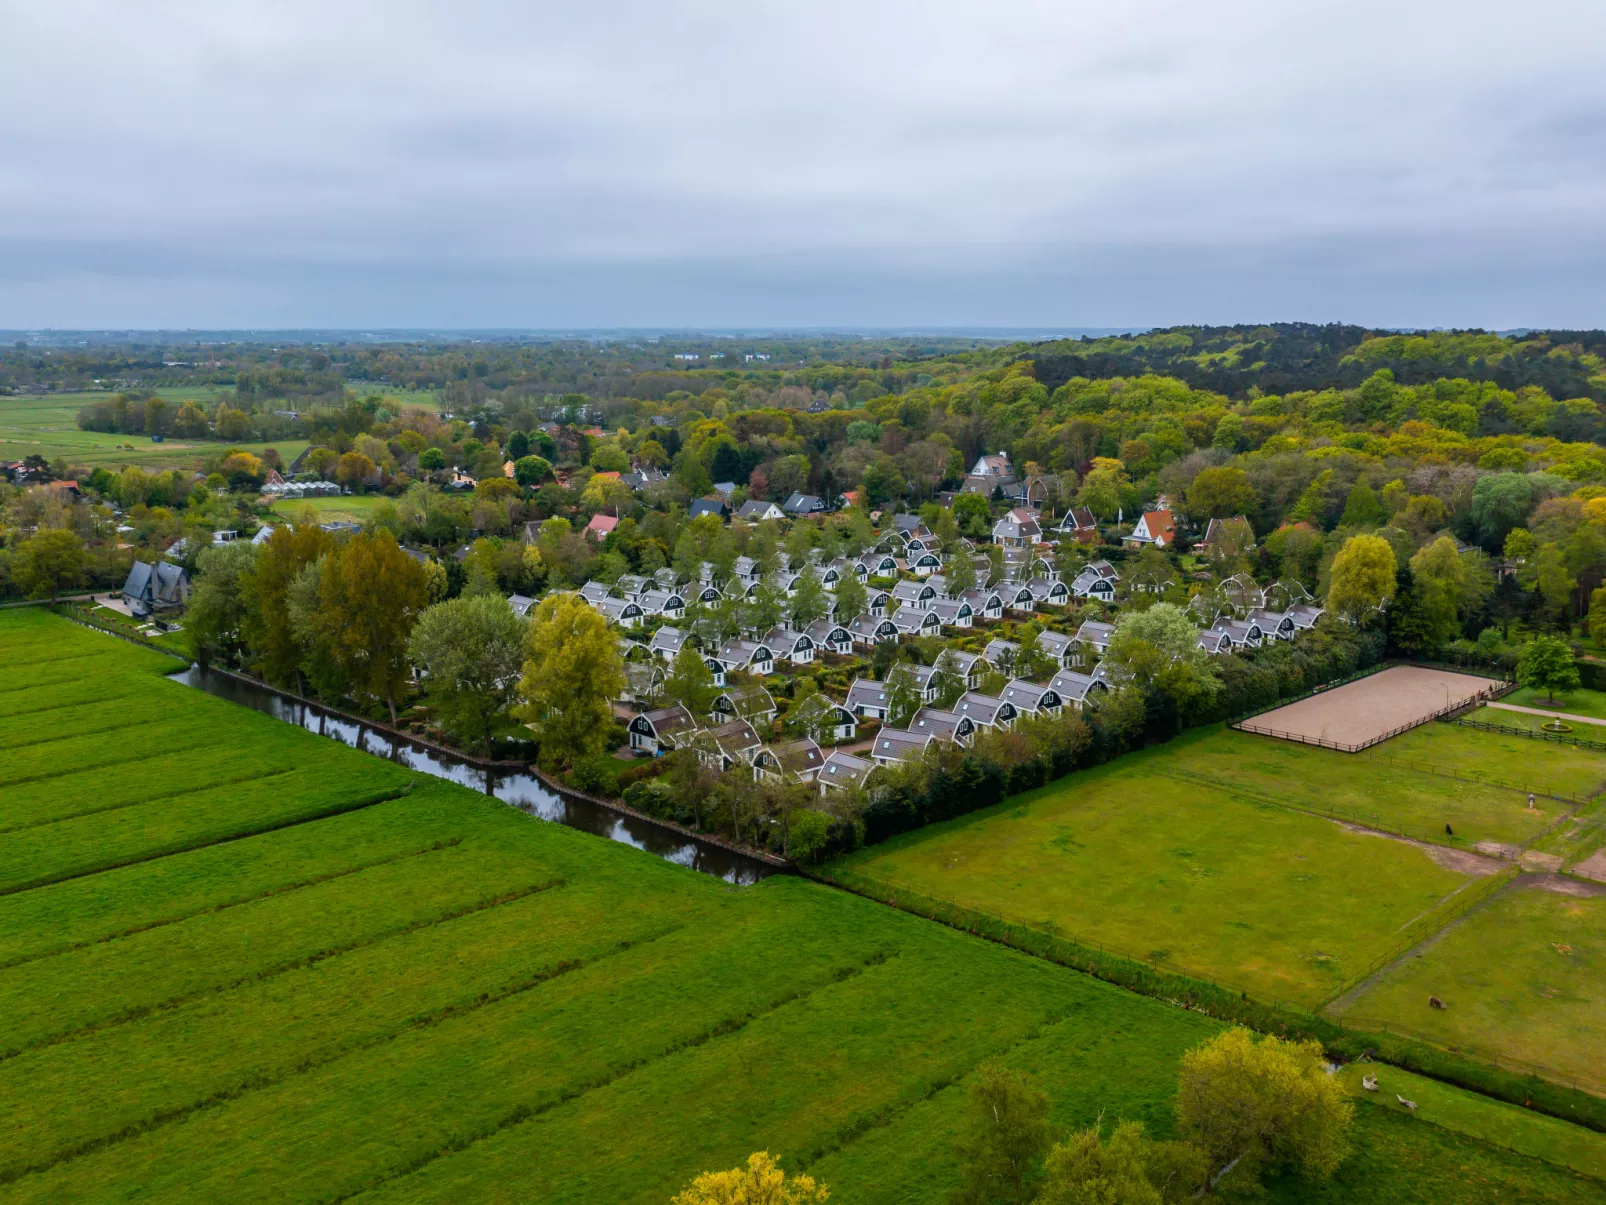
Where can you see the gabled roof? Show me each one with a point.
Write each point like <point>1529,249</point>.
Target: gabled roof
<point>896,744</point>
<point>1054,644</point>
<point>594,592</point>
<point>803,504</point>
<point>1073,687</point>
<point>822,631</point>
<point>801,757</point>
<point>667,640</point>
<point>1078,518</point>
<point>737,740</point>
<point>521,604</point>
<point>708,506</point>
<point>1028,696</point>
<point>999,651</point>
<point>843,769</point>
<point>671,721</point>
<point>984,709</point>
<point>601,525</point>
<point>867,692</point>
<point>944,725</point>
<point>1095,633</point>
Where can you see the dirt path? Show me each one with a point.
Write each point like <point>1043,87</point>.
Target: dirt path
<point>1459,860</point>
<point>1566,715</point>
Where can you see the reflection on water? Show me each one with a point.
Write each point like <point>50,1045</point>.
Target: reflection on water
<point>522,790</point>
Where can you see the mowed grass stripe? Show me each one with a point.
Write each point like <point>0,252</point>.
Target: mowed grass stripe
<point>57,697</point>
<point>64,916</point>
<point>795,1090</point>
<point>101,719</point>
<point>69,849</point>
<point>153,773</point>
<point>220,949</point>
<point>186,1067</point>
<point>58,759</point>
<point>466,1073</point>
<point>72,809</point>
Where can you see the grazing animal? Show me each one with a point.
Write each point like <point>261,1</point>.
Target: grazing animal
<point>1409,1104</point>
<point>1369,1082</point>
<point>1435,1002</point>
<point>1448,831</point>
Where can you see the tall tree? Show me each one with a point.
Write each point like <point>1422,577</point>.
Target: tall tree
<point>369,595</point>
<point>690,681</point>
<point>48,562</point>
<point>1362,577</point>
<point>1547,664</point>
<point>1006,1134</point>
<point>1271,1103</point>
<point>220,601</point>
<point>1221,493</point>
<point>471,651</point>
<point>808,601</point>
<point>268,626</point>
<point>573,671</point>
<point>852,600</point>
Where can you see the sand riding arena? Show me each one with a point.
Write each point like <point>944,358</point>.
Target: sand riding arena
<point>1366,712</point>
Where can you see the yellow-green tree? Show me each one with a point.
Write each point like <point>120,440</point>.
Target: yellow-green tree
<point>761,1182</point>
<point>1362,576</point>
<point>49,562</point>
<point>573,671</point>
<point>1251,1105</point>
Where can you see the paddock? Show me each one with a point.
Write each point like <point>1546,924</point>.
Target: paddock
<point>1359,714</point>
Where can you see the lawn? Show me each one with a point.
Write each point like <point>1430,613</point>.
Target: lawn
<point>1519,763</point>
<point>355,508</point>
<point>264,985</point>
<point>1523,977</point>
<point>1576,702</point>
<point>1201,879</point>
<point>1387,789</point>
<point>1493,1121</point>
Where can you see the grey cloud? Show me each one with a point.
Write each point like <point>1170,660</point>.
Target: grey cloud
<point>952,162</point>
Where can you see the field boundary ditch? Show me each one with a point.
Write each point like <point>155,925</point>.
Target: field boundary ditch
<point>1528,1085</point>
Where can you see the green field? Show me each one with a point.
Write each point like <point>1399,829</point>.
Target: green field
<point>48,427</point>
<point>1517,762</point>
<point>1494,1121</point>
<point>288,972</point>
<point>1392,788</point>
<point>1523,976</point>
<point>356,508</point>
<point>1170,868</point>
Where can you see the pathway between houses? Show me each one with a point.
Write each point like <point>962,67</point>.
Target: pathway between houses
<point>1566,715</point>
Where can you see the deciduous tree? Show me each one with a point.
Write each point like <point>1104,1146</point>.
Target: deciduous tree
<point>471,651</point>
<point>1251,1105</point>
<point>1362,576</point>
<point>1547,664</point>
<point>761,1182</point>
<point>48,562</point>
<point>1006,1134</point>
<point>573,671</point>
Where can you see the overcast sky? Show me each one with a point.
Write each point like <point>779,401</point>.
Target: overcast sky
<point>355,163</point>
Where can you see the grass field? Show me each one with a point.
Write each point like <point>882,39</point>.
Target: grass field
<point>1493,1121</point>
<point>47,426</point>
<point>355,508</point>
<point>1518,762</point>
<point>1523,976</point>
<point>292,978</point>
<point>1389,787</point>
<point>1165,866</point>
<point>1576,702</point>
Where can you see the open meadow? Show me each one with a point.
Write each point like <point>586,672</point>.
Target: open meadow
<point>354,508</point>
<point>240,962</point>
<point>1196,856</point>
<point>1522,977</point>
<point>47,426</point>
